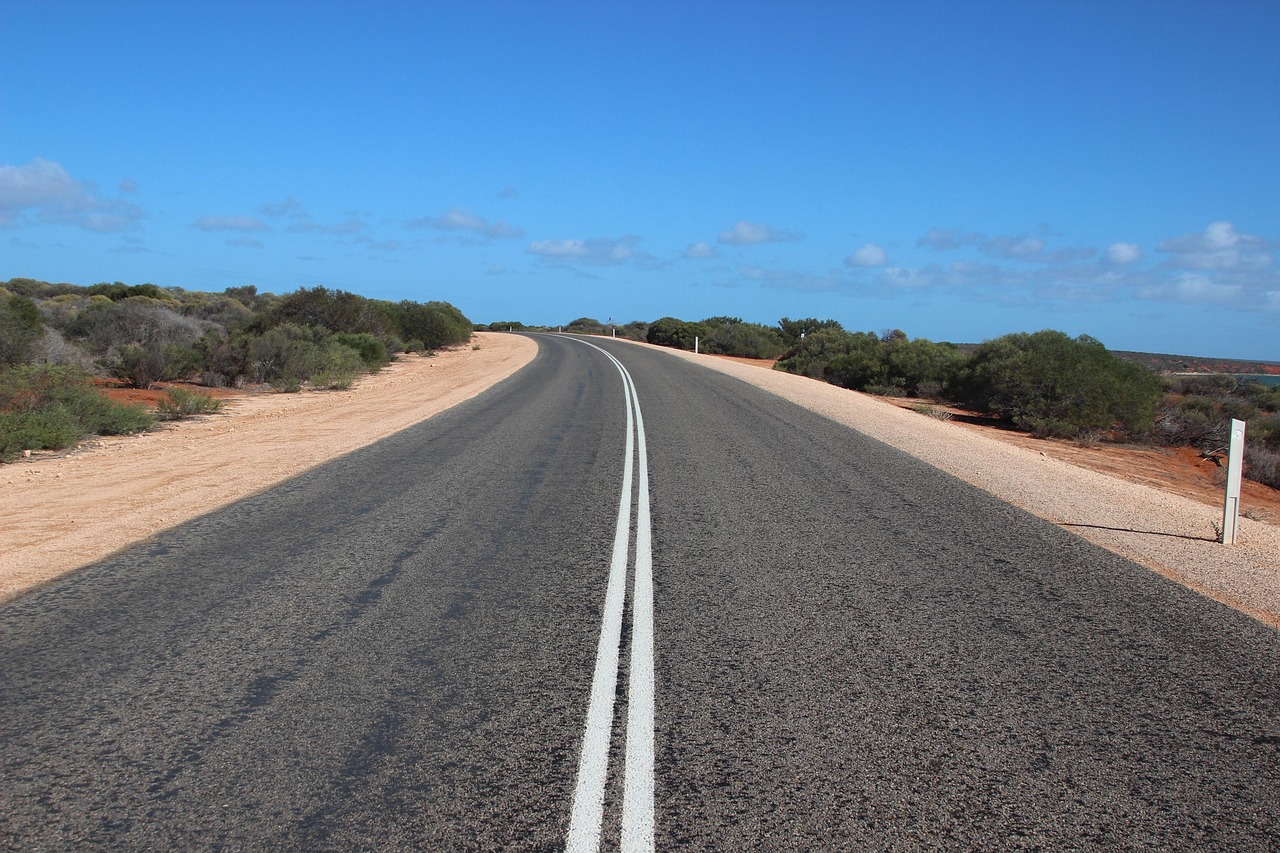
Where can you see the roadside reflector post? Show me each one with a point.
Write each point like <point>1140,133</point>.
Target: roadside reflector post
<point>695,344</point>
<point>1235,462</point>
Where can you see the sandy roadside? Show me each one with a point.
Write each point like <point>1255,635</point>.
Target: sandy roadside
<point>63,512</point>
<point>52,517</point>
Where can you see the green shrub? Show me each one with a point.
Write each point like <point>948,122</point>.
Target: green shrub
<point>20,329</point>
<point>794,331</point>
<point>886,390</point>
<point>284,355</point>
<point>748,340</point>
<point>1262,464</point>
<point>1191,422</point>
<point>143,365</point>
<point>372,351</point>
<point>814,354</point>
<point>180,403</point>
<point>47,407</point>
<point>50,428</point>
<point>102,416</point>
<point>1052,384</point>
<point>335,367</point>
<point>673,332</point>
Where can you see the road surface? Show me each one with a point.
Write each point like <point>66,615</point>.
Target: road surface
<point>439,643</point>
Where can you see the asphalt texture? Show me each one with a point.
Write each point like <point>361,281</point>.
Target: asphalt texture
<point>854,651</point>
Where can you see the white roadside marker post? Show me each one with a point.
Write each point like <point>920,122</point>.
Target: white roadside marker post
<point>695,344</point>
<point>1235,462</point>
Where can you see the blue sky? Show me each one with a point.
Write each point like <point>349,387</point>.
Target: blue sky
<point>958,170</point>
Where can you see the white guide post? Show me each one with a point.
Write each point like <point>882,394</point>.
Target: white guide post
<point>695,344</point>
<point>1235,462</point>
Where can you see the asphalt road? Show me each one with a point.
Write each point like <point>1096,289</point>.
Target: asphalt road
<point>851,651</point>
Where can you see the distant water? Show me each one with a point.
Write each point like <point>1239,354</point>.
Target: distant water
<point>1264,378</point>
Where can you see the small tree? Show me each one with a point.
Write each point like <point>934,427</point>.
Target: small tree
<point>1052,384</point>
<point>674,332</point>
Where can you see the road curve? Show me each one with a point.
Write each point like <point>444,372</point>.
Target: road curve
<point>395,651</point>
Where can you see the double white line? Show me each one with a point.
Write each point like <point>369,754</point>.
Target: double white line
<point>637,793</point>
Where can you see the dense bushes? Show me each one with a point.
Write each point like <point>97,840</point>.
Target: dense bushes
<point>718,335</point>
<point>1046,383</point>
<point>144,334</point>
<point>47,407</point>
<point>889,364</point>
<point>1197,411</point>
<point>1054,385</point>
<point>671,332</point>
<point>20,329</point>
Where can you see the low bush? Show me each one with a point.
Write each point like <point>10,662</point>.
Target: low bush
<point>143,365</point>
<point>48,407</point>
<point>372,351</point>
<point>180,403</point>
<point>50,428</point>
<point>1262,464</point>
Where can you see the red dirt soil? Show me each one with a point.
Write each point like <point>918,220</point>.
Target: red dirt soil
<point>122,393</point>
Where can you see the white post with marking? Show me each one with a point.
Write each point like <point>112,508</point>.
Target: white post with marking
<point>1235,464</point>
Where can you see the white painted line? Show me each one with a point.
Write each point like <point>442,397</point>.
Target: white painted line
<point>593,764</point>
<point>638,782</point>
<point>637,799</point>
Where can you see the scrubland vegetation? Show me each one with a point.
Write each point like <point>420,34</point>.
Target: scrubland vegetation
<point>1046,383</point>
<point>56,339</point>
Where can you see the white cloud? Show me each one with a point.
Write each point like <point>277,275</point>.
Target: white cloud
<point>601,251</point>
<point>306,226</point>
<point>869,255</point>
<point>462,219</point>
<point>945,239</point>
<point>754,233</point>
<point>381,246</point>
<point>1021,247</point>
<point>1219,247</point>
<point>559,248</point>
<point>908,277</point>
<point>246,242</point>
<point>793,279</point>
<point>45,188</point>
<point>700,250</point>
<point>289,207</point>
<point>1193,288</point>
<point>1123,253</point>
<point>1217,236</point>
<point>230,223</point>
<point>1011,247</point>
